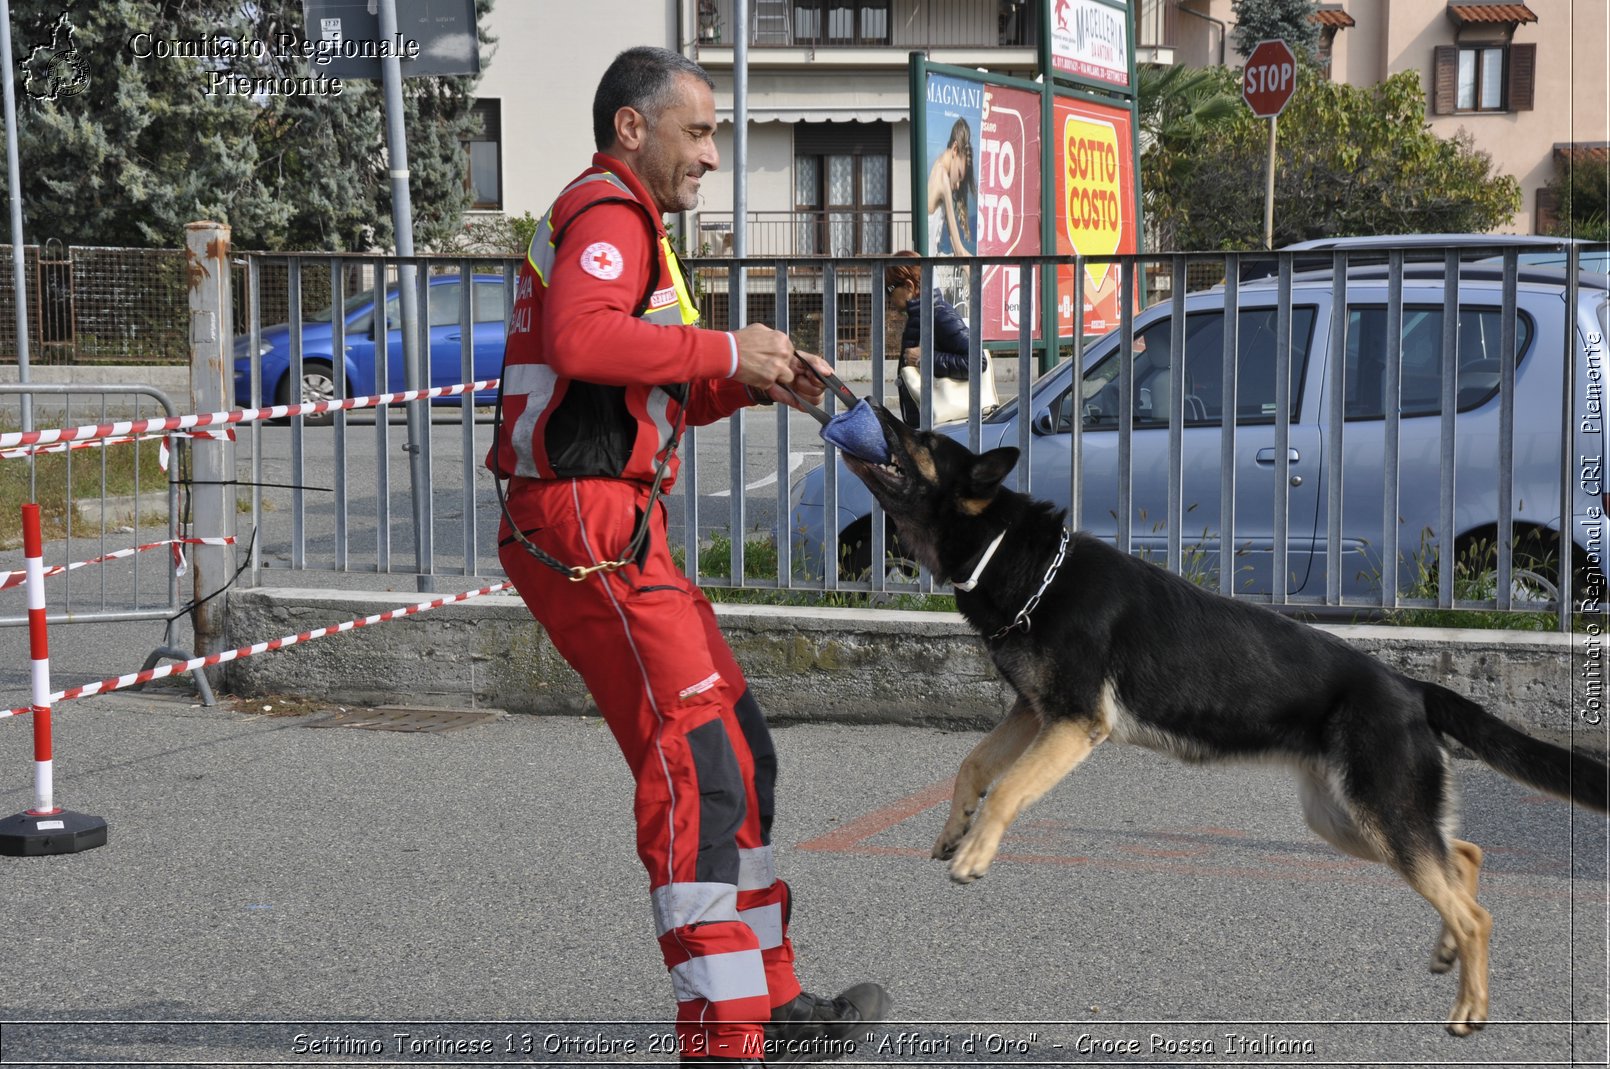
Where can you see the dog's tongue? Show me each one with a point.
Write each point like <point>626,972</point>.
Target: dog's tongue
<point>858,433</point>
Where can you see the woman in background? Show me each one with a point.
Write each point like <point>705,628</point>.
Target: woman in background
<point>903,284</point>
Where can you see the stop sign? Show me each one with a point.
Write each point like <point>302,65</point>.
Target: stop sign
<point>1270,78</point>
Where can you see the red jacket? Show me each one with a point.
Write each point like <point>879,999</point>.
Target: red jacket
<point>602,354</point>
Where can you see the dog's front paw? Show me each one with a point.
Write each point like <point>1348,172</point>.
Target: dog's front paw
<point>973,856</point>
<point>951,835</point>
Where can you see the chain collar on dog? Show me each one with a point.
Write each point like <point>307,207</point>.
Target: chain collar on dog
<point>1021,620</point>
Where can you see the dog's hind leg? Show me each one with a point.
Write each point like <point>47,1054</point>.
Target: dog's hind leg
<point>993,754</point>
<point>1054,752</point>
<point>1444,871</point>
<point>1439,880</point>
<point>1467,861</point>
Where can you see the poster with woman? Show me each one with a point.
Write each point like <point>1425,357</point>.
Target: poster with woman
<point>982,191</point>
<point>954,112</point>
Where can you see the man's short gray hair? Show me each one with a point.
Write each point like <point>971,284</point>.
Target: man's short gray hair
<point>643,79</point>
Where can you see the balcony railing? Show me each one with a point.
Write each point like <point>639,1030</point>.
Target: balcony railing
<point>900,25</point>
<point>831,232</point>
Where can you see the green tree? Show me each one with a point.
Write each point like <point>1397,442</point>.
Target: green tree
<point>133,150</point>
<point>1177,107</point>
<point>1581,187</point>
<point>145,142</point>
<point>1351,161</point>
<point>1290,20</point>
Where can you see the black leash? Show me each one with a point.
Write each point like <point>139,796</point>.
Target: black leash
<point>577,573</point>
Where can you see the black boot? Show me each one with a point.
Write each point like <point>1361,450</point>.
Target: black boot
<point>816,1029</point>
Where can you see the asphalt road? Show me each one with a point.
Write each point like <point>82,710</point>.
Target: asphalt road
<point>274,894</point>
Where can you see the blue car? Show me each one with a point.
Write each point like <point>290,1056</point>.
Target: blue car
<point>362,342</point>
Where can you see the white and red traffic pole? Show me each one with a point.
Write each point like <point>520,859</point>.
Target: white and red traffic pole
<point>46,828</point>
<point>33,549</point>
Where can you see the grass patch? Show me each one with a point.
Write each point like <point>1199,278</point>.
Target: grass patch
<point>81,475</point>
<point>1475,578</point>
<point>760,563</point>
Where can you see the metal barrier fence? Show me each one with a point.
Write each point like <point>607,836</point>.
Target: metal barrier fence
<point>1377,397</point>
<point>96,502</point>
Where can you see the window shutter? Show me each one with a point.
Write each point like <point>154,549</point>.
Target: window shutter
<point>1444,79</point>
<point>843,139</point>
<point>1522,76</point>
<point>1547,216</point>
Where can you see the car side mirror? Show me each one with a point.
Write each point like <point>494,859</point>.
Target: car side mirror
<point>1044,422</point>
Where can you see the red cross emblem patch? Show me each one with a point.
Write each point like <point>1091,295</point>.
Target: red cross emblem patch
<point>602,260</point>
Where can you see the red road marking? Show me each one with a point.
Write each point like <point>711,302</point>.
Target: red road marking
<point>851,838</point>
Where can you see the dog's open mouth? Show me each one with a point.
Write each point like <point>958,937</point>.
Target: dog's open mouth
<point>890,473</point>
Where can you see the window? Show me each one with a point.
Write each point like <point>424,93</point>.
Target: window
<point>1481,80</point>
<point>1488,77</point>
<point>1366,388</point>
<point>484,151</point>
<point>841,22</point>
<point>842,194</point>
<point>1203,402</point>
<point>444,300</point>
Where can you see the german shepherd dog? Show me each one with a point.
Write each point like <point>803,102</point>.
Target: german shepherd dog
<point>1098,645</point>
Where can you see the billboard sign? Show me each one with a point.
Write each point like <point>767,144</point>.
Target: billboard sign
<point>1090,42</point>
<point>981,155</point>
<point>1096,205</point>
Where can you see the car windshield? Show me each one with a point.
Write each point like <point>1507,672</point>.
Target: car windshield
<point>1007,409</point>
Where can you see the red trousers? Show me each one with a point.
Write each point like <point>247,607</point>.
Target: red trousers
<point>645,641</point>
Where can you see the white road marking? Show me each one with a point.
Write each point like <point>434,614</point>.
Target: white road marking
<point>794,462</point>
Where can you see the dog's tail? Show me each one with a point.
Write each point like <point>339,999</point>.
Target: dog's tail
<point>1541,765</point>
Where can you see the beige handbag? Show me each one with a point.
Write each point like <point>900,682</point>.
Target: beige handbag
<point>950,395</point>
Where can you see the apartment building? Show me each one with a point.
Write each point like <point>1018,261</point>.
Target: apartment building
<point>1530,83</point>
<point>829,153</point>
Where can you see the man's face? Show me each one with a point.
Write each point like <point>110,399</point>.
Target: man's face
<point>679,147</point>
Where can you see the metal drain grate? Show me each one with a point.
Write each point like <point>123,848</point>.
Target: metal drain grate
<point>406,718</point>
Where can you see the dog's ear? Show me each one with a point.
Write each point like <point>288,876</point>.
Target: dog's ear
<point>991,468</point>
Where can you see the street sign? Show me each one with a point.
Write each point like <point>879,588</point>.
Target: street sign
<point>434,37</point>
<point>1269,79</point>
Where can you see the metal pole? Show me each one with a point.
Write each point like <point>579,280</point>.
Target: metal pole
<point>1269,190</point>
<point>740,150</point>
<point>14,184</point>
<point>402,221</point>
<point>212,498</point>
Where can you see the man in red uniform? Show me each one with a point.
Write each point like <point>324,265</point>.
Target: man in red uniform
<point>602,370</point>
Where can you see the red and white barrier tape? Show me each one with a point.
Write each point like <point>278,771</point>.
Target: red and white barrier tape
<point>11,579</point>
<point>14,439</point>
<point>135,678</point>
<point>227,434</point>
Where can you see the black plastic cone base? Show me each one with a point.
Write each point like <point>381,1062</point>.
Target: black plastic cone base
<point>61,832</point>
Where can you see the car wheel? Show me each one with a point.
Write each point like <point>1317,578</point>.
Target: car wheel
<point>318,384</point>
<point>1534,571</point>
<point>855,554</point>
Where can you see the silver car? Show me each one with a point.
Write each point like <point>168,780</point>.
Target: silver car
<point>1343,442</point>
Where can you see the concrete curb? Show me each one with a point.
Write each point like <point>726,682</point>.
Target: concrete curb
<point>825,665</point>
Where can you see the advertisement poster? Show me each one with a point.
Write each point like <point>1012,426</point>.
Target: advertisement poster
<point>955,108</point>
<point>982,158</point>
<point>1009,167</point>
<point>948,221</point>
<point>1095,205</point>
<point>1090,40</point>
